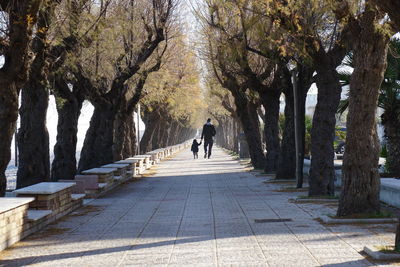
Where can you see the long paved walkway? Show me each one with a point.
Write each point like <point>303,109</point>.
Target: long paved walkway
<point>197,213</point>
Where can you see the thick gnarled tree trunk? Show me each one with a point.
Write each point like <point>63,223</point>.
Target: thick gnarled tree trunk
<point>271,102</point>
<point>287,156</point>
<point>98,145</point>
<point>63,166</point>
<point>151,120</point>
<point>392,134</point>
<point>33,137</point>
<point>8,119</point>
<point>124,144</point>
<point>360,165</point>
<point>13,74</point>
<point>248,117</point>
<point>322,171</point>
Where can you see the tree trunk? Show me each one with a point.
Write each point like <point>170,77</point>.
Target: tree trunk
<point>33,137</point>
<point>397,240</point>
<point>270,100</point>
<point>165,133</point>
<point>287,156</point>
<point>322,171</point>
<point>236,136</point>
<point>69,105</point>
<point>14,73</point>
<point>305,79</point>
<point>151,120</point>
<point>248,117</point>
<point>122,144</point>
<point>392,134</point>
<point>174,129</point>
<point>155,142</point>
<point>98,145</point>
<point>8,119</point>
<point>360,165</point>
<point>64,163</point>
<point>130,148</point>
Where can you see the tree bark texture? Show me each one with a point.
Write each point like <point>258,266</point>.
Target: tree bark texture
<point>130,148</point>
<point>287,156</point>
<point>13,74</point>
<point>390,6</point>
<point>392,134</point>
<point>305,79</point>
<point>271,102</point>
<point>360,164</point>
<point>33,137</point>
<point>322,171</point>
<point>69,105</point>
<point>155,141</point>
<point>98,145</point>
<point>248,116</point>
<point>8,119</point>
<point>165,129</point>
<point>151,120</point>
<point>122,143</point>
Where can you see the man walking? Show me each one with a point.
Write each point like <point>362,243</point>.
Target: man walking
<point>208,134</point>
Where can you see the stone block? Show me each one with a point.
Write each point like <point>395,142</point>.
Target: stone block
<point>90,182</point>
<point>78,188</point>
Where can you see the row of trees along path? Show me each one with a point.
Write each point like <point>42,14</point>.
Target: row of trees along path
<point>117,54</point>
<point>248,48</point>
<point>110,53</point>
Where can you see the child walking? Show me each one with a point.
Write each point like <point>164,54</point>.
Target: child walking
<point>195,148</point>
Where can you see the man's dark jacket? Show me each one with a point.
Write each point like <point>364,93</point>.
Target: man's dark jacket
<point>208,131</point>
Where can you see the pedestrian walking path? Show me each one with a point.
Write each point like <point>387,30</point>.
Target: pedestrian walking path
<point>204,212</point>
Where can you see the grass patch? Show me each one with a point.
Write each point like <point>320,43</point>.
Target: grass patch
<point>292,189</point>
<point>289,190</point>
<point>380,215</point>
<point>388,249</point>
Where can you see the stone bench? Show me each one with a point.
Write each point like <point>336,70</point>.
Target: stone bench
<point>89,182</point>
<point>122,170</point>
<point>140,165</point>
<point>156,156</point>
<point>13,213</point>
<point>105,175</point>
<point>160,153</point>
<point>78,188</point>
<point>93,188</point>
<point>134,165</point>
<point>47,202</point>
<point>146,160</point>
<point>53,196</point>
<point>337,166</point>
<point>338,169</point>
<point>390,191</point>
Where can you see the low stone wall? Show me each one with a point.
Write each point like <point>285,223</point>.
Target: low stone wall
<point>338,171</point>
<point>390,191</point>
<point>39,205</point>
<point>13,212</point>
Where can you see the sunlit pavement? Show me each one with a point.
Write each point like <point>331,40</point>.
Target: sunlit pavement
<point>198,212</point>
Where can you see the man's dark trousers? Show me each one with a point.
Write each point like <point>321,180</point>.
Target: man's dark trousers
<point>208,144</point>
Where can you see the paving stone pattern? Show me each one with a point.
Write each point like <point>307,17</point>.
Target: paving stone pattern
<point>199,213</point>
